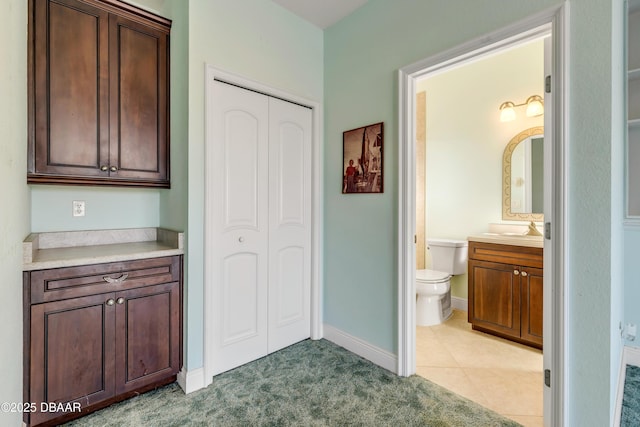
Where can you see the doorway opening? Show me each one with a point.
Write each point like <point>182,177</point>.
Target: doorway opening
<point>552,26</point>
<point>463,150</point>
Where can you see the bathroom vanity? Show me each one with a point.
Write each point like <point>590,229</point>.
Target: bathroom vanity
<point>506,287</point>
<point>102,318</point>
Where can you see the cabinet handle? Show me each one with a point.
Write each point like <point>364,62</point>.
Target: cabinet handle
<point>516,272</point>
<point>524,274</point>
<point>120,300</point>
<point>110,302</point>
<point>114,168</point>
<point>104,168</point>
<point>118,280</point>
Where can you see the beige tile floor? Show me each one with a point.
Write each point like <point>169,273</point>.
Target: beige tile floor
<point>501,375</point>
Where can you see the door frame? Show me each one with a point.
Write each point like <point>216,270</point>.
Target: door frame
<point>552,21</point>
<point>212,74</point>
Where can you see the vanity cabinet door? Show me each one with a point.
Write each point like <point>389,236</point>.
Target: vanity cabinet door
<point>494,297</point>
<point>147,335</point>
<point>72,353</point>
<point>531,288</point>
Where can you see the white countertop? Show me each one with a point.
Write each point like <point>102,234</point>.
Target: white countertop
<point>73,248</point>
<point>508,239</point>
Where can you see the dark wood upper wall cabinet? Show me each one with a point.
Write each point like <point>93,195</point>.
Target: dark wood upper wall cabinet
<point>99,85</point>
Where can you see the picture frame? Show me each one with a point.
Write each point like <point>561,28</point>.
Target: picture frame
<point>362,159</point>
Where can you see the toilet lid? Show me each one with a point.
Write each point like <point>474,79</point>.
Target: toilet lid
<point>431,276</point>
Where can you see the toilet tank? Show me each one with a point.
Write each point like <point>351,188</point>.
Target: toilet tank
<point>448,255</point>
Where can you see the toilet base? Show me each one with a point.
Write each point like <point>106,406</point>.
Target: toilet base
<point>433,309</point>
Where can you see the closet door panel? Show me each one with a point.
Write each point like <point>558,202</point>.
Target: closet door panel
<point>289,223</point>
<point>239,256</point>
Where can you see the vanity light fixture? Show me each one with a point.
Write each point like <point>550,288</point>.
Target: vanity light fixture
<point>534,108</point>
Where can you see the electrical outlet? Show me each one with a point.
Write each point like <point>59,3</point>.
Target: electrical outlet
<point>630,332</point>
<point>78,208</point>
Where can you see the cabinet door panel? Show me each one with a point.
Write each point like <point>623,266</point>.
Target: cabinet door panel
<point>148,335</point>
<point>494,297</point>
<point>532,292</point>
<point>71,103</point>
<point>138,58</point>
<point>72,352</point>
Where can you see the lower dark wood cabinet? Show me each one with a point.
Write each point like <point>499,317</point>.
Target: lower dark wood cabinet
<point>84,352</point>
<point>506,291</point>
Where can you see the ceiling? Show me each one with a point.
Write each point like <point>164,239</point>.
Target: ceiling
<point>321,13</point>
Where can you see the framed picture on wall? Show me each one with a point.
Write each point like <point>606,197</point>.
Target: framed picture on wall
<point>362,166</point>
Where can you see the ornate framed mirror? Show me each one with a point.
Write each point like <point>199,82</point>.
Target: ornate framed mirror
<point>523,176</point>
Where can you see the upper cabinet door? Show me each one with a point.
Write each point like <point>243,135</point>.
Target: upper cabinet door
<point>98,94</point>
<point>138,94</point>
<point>70,42</point>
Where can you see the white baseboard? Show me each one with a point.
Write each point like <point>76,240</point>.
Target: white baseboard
<point>192,380</point>
<point>458,303</point>
<point>362,348</point>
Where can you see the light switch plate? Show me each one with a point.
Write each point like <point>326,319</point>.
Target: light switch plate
<point>78,208</point>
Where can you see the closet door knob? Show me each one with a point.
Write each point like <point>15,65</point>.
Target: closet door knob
<point>516,272</point>
<point>524,274</point>
<point>114,168</point>
<point>110,302</point>
<point>120,300</point>
<point>104,168</point>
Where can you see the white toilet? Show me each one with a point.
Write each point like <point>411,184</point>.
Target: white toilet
<point>433,287</point>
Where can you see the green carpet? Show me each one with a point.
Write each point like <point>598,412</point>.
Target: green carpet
<point>312,383</point>
<point>630,416</point>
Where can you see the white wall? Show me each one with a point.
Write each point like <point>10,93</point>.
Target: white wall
<point>466,140</point>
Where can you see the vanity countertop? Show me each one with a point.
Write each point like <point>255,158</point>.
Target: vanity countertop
<point>508,239</point>
<point>73,248</point>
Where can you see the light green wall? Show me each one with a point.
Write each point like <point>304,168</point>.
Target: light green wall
<point>258,40</point>
<point>362,56</point>
<point>466,141</point>
<point>14,198</point>
<point>104,208</point>
<point>174,202</point>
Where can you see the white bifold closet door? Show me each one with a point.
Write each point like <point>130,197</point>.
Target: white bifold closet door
<point>261,258</point>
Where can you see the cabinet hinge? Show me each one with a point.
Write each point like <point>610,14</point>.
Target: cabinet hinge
<point>547,84</point>
<point>547,377</point>
<point>547,230</point>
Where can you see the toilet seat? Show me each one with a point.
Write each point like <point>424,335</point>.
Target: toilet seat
<point>432,276</point>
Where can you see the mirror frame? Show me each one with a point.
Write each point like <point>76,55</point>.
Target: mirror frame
<point>506,177</point>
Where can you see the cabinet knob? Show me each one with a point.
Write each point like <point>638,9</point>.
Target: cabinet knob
<point>516,272</point>
<point>104,168</point>
<point>524,274</point>
<point>110,302</point>
<point>120,300</point>
<point>114,168</point>
<point>240,239</point>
